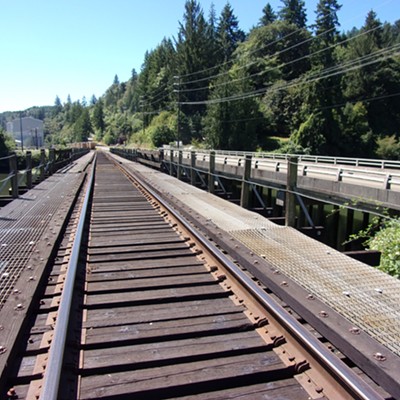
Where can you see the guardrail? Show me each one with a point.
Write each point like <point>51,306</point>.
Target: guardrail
<point>357,162</point>
<point>49,164</point>
<point>322,180</point>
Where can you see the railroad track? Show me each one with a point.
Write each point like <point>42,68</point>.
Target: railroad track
<point>139,305</point>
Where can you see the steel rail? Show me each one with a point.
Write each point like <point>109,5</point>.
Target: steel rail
<point>54,364</point>
<point>353,382</point>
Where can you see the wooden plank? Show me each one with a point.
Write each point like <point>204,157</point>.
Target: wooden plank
<point>147,273</point>
<point>136,248</point>
<point>186,378</point>
<point>172,352</point>
<point>136,283</point>
<point>161,238</point>
<point>171,329</point>
<point>160,295</point>
<point>165,253</point>
<point>139,264</point>
<point>284,389</point>
<point>158,312</point>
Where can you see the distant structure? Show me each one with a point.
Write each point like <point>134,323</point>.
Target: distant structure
<point>32,131</point>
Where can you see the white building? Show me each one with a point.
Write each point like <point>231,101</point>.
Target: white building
<point>32,131</point>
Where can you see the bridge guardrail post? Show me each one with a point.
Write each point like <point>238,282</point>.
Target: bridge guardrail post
<point>171,162</point>
<point>29,170</point>
<point>245,193</point>
<point>42,163</point>
<point>14,179</point>
<point>52,159</point>
<point>211,172</point>
<point>290,200</point>
<point>192,168</point>
<point>179,169</point>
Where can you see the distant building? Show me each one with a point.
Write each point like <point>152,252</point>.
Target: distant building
<point>32,131</point>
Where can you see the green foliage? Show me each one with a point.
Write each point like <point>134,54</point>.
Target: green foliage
<point>7,143</point>
<point>162,135</point>
<point>387,241</point>
<point>235,90</point>
<point>388,148</point>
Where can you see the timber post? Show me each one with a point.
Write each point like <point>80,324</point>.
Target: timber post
<point>171,163</point>
<point>211,172</point>
<point>291,184</point>
<point>179,169</point>
<point>245,193</point>
<point>42,163</point>
<point>14,179</point>
<point>192,168</point>
<point>52,161</point>
<point>29,170</point>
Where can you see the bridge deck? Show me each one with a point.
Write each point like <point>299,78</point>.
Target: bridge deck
<point>368,298</point>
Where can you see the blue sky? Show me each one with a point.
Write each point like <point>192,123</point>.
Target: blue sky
<point>61,47</point>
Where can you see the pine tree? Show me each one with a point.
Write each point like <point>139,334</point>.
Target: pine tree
<point>268,17</point>
<point>294,12</point>
<point>228,33</point>
<point>195,56</point>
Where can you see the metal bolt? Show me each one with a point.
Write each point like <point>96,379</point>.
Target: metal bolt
<point>310,297</point>
<point>355,331</point>
<point>379,357</point>
<point>19,307</point>
<point>323,314</point>
<point>2,349</point>
<point>284,283</point>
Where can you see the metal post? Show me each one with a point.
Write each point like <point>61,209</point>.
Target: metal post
<point>179,170</point>
<point>42,163</point>
<point>245,194</point>
<point>29,170</point>
<point>192,169</point>
<point>14,179</point>
<point>290,199</point>
<point>211,172</point>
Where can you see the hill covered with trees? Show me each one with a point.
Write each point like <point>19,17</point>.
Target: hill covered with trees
<point>322,90</point>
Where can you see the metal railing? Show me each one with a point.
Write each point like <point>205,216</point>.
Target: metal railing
<point>48,165</point>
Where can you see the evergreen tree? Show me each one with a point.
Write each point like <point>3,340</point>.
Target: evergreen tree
<point>98,117</point>
<point>268,17</point>
<point>93,100</point>
<point>325,27</point>
<point>195,56</point>
<point>320,131</point>
<point>228,33</point>
<point>294,12</point>
<point>57,106</point>
<point>83,127</point>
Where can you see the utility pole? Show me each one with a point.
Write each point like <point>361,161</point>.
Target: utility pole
<point>178,85</point>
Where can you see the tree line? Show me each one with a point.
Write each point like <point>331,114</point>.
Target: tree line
<point>284,85</point>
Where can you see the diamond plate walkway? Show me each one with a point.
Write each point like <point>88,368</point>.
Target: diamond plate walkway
<point>367,297</point>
